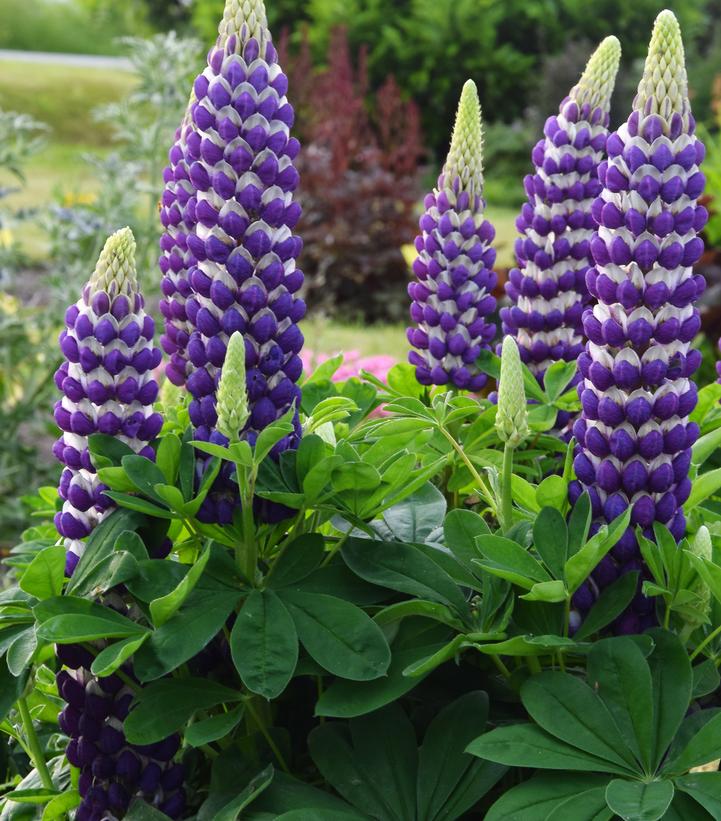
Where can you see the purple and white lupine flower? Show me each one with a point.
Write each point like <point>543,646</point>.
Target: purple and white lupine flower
<point>548,288</point>
<point>107,383</point>
<point>246,277</point>
<point>112,771</point>
<point>634,435</point>
<point>453,291</point>
<point>177,214</point>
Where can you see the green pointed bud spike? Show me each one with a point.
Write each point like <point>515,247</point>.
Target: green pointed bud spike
<point>701,544</point>
<point>232,398</point>
<point>512,414</point>
<point>245,18</point>
<point>465,157</point>
<point>115,270</point>
<point>663,90</point>
<point>599,77</point>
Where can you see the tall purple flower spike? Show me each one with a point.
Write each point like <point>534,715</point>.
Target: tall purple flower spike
<point>107,384</point>
<point>177,214</point>
<point>246,277</point>
<point>634,436</point>
<point>548,289</point>
<point>112,771</point>
<point>453,290</point>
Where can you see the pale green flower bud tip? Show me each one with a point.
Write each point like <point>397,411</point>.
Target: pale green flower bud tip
<point>599,77</point>
<point>170,395</point>
<point>512,413</point>
<point>232,398</point>
<point>663,90</point>
<point>465,157</point>
<point>115,270</point>
<point>244,18</point>
<point>701,545</point>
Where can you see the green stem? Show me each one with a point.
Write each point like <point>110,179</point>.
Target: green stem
<point>36,752</point>
<point>471,467</point>
<point>711,636</point>
<point>534,665</point>
<point>267,736</point>
<point>505,672</point>
<point>506,493</point>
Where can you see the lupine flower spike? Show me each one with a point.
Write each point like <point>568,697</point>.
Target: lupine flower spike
<point>548,289</point>
<point>246,277</point>
<point>177,214</point>
<point>634,435</point>
<point>453,291</point>
<point>107,384</point>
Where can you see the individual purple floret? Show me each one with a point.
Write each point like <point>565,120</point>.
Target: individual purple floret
<point>242,238</point>
<point>548,289</point>
<point>107,383</point>
<point>453,291</point>
<point>634,434</point>
<point>112,771</point>
<point>177,214</point>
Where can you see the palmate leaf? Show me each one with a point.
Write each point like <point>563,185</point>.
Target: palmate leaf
<point>618,670</point>
<point>569,709</point>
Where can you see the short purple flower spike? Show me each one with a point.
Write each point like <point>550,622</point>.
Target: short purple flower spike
<point>634,436</point>
<point>177,214</point>
<point>548,289</point>
<point>107,384</point>
<point>112,771</point>
<point>246,277</point>
<point>453,290</point>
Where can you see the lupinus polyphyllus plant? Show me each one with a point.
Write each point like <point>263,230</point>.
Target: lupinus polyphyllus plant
<point>246,277</point>
<point>177,214</point>
<point>107,383</point>
<point>634,434</point>
<point>548,289</point>
<point>453,293</point>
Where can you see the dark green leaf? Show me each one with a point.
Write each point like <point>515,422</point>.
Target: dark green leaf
<point>547,795</point>
<point>706,679</point>
<point>705,788</point>
<point>230,812</point>
<point>164,608</point>
<point>200,618</point>
<point>402,567</point>
<point>213,728</point>
<point>703,748</point>
<point>347,699</point>
<point>613,600</point>
<point>264,644</point>
<point>140,810</point>
<point>338,635</point>
<point>580,564</point>
<point>570,710</point>
<point>526,745</point>
<point>579,523</point>
<point>165,706</point>
<point>99,546</point>
<point>511,561</point>
<point>460,529</point>
<point>450,780</point>
<point>672,680</point>
<point>44,575</point>
<point>115,655</point>
<point>636,801</point>
<point>618,671</point>
<point>299,559</point>
<point>550,538</point>
<point>68,619</point>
